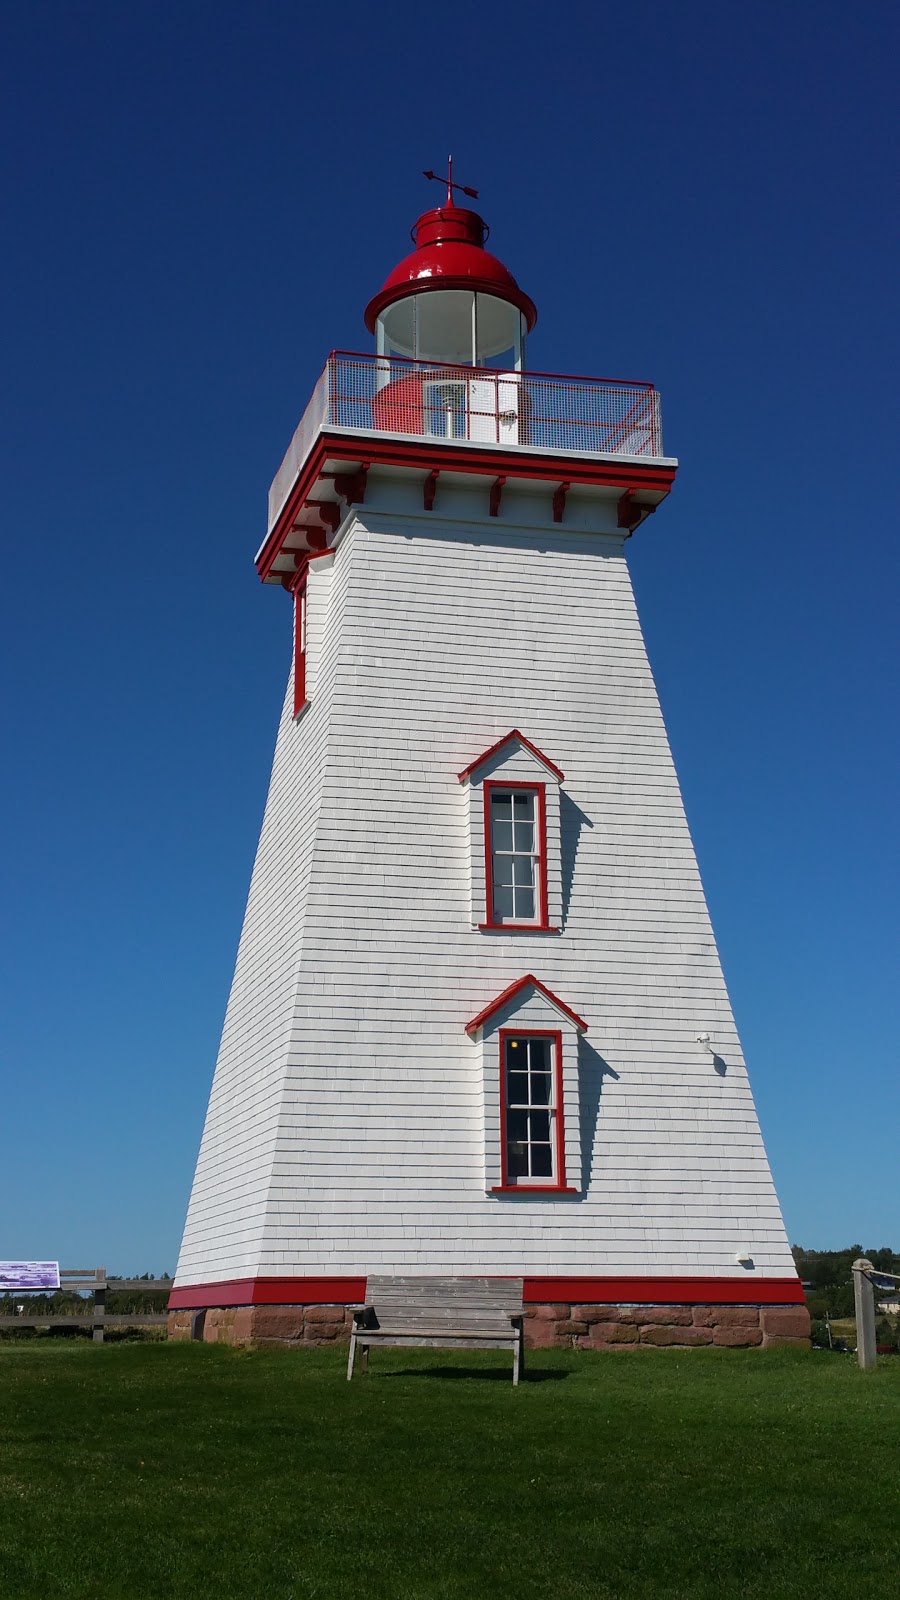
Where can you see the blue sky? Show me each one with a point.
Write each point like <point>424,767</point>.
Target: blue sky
<point>199,204</point>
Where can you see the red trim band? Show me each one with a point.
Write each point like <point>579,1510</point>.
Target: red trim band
<point>746,1290</point>
<point>430,454</point>
<point>269,1292</point>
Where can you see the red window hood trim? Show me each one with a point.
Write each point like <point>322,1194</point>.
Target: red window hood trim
<point>514,988</point>
<point>507,738</point>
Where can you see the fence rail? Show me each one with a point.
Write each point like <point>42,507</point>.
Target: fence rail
<point>92,1281</point>
<point>455,404</point>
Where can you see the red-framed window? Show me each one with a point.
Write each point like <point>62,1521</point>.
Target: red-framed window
<point>515,855</point>
<point>299,647</point>
<point>532,1136</point>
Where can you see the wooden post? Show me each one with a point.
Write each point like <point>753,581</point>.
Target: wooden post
<point>864,1301</point>
<point>99,1304</point>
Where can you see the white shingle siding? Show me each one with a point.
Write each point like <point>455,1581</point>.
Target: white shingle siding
<point>346,1129</point>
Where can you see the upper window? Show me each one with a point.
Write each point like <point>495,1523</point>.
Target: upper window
<point>515,859</point>
<point>531,1111</point>
<point>516,865</point>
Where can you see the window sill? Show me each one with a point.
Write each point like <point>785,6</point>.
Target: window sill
<point>533,1188</point>
<point>516,927</point>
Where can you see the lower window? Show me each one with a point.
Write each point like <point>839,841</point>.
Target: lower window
<point>531,1108</point>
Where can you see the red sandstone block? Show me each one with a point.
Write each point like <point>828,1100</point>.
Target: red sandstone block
<point>726,1316</point>
<point>737,1336</point>
<point>571,1327</point>
<point>217,1325</point>
<point>242,1326</point>
<point>671,1316</point>
<point>595,1313</point>
<point>678,1335</point>
<point>276,1322</point>
<point>549,1313</point>
<point>791,1322</point>
<point>773,1339</point>
<point>326,1314</point>
<point>541,1334</point>
<point>604,1334</point>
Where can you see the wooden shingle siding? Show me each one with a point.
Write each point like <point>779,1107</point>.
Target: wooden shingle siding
<point>348,1129</point>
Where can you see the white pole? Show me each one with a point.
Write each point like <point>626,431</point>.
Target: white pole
<point>864,1301</point>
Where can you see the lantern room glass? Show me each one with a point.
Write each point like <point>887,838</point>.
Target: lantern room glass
<point>453,327</point>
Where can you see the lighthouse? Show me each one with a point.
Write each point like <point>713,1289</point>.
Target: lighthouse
<point>478,1026</point>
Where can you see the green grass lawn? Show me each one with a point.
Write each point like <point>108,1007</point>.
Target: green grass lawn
<point>188,1470</point>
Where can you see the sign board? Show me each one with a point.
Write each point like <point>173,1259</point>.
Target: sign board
<point>28,1275</point>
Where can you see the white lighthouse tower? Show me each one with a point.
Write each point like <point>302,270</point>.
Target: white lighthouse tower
<point>478,1024</point>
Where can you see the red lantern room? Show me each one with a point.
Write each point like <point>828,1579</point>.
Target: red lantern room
<point>450,304</point>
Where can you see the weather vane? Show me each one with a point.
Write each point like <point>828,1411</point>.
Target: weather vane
<point>472,193</point>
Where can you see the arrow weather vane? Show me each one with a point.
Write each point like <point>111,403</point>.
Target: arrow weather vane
<point>472,193</point>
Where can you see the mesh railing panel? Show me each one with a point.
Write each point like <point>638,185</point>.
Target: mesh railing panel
<point>299,447</point>
<point>425,400</point>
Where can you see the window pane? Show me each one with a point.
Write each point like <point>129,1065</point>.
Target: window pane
<point>523,806</point>
<point>517,1125</point>
<point>524,902</point>
<point>523,873</point>
<point>540,1125</point>
<point>503,871</point>
<point>540,1088</point>
<point>525,836</point>
<point>541,1161</point>
<point>517,1089</point>
<point>539,1054</point>
<point>502,835</point>
<point>503,902</point>
<point>517,1160</point>
<point>501,806</point>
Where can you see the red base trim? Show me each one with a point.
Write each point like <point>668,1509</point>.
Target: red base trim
<point>746,1290</point>
<point>269,1292</point>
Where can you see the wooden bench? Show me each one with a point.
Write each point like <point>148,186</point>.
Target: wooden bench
<point>440,1313</point>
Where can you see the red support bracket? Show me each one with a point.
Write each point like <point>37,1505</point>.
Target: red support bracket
<point>496,492</point>
<point>429,487</point>
<point>352,485</point>
<point>330,513</point>
<point>559,501</point>
<point>631,511</point>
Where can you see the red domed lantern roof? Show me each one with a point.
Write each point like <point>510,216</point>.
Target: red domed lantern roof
<point>450,254</point>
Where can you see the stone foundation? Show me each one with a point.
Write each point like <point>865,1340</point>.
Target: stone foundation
<point>598,1327</point>
<point>271,1326</point>
<point>547,1327</point>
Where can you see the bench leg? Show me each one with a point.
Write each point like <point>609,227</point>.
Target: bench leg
<point>517,1358</point>
<point>352,1357</point>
